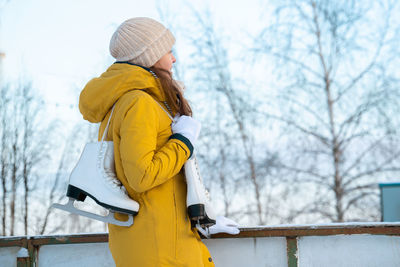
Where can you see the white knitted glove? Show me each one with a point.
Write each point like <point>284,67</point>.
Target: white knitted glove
<point>186,126</point>
<point>224,225</point>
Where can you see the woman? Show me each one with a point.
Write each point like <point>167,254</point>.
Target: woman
<point>149,152</point>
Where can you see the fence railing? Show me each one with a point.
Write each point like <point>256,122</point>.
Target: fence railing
<point>342,244</point>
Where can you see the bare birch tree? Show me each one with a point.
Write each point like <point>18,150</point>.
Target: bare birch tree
<point>228,144</point>
<point>24,146</point>
<point>5,159</point>
<point>337,95</point>
<point>55,221</point>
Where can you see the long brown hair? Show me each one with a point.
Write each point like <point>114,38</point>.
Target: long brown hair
<point>173,94</point>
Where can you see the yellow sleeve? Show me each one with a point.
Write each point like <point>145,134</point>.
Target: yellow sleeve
<point>143,166</point>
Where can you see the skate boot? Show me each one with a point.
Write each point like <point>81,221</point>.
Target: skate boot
<point>94,176</point>
<point>198,200</point>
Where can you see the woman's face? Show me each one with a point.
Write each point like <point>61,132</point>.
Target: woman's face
<point>166,62</point>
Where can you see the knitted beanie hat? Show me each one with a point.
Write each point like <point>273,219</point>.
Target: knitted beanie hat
<point>141,41</point>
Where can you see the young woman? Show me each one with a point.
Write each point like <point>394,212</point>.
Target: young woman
<point>149,151</point>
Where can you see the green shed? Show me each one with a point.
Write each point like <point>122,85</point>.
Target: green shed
<point>390,202</point>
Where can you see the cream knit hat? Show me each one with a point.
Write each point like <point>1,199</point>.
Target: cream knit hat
<point>141,41</point>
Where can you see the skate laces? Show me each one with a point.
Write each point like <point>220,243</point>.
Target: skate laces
<point>106,164</point>
<point>112,179</point>
<point>201,181</point>
<point>115,183</point>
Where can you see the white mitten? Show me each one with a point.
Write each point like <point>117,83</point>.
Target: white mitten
<point>186,126</point>
<point>224,225</point>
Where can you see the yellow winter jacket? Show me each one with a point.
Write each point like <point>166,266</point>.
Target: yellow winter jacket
<point>149,163</point>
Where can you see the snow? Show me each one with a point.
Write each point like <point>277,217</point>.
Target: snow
<point>323,225</point>
<point>85,254</point>
<point>23,253</point>
<point>263,251</point>
<point>349,250</point>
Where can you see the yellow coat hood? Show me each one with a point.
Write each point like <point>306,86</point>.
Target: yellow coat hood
<point>100,93</point>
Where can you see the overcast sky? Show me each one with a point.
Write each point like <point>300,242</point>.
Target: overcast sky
<point>60,45</point>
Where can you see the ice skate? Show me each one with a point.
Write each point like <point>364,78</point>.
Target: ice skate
<point>94,176</point>
<point>198,200</point>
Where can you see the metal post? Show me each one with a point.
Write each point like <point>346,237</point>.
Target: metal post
<point>291,249</point>
<point>23,258</point>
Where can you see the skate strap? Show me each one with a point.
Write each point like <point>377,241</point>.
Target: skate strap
<point>169,115</point>
<point>166,112</point>
<point>108,124</point>
<point>109,119</point>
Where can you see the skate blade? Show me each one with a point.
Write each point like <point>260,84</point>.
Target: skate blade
<point>80,195</point>
<point>204,232</point>
<point>69,207</point>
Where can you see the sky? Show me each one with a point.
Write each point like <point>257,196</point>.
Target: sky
<point>60,45</point>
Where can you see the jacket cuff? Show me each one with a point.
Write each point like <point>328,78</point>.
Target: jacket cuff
<point>183,139</point>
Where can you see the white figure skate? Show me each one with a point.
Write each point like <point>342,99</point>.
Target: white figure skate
<point>94,176</point>
<point>198,200</point>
